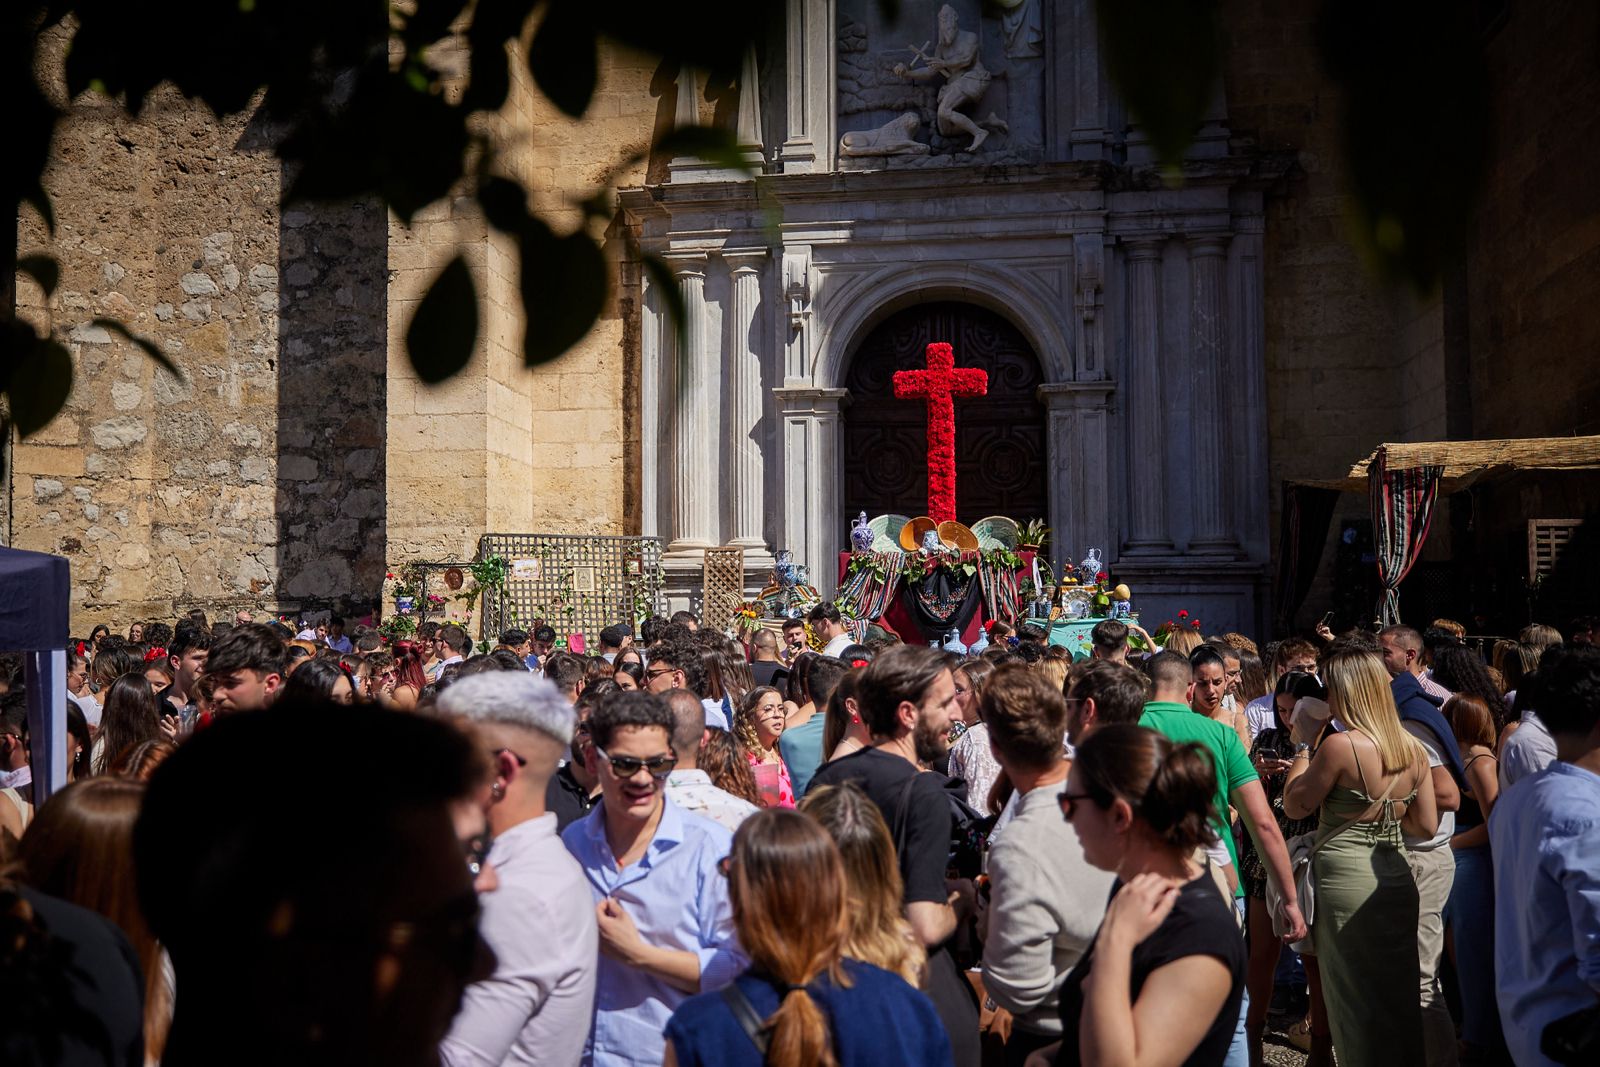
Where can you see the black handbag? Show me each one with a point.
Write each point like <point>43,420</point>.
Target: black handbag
<point>744,1013</point>
<point>1573,1038</point>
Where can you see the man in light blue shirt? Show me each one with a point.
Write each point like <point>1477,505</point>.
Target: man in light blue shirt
<point>666,925</point>
<point>1545,836</point>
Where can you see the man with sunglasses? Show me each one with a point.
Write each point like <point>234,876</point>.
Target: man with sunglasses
<point>666,925</point>
<point>537,1003</point>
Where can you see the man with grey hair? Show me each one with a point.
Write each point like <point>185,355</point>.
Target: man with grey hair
<point>536,1006</point>
<point>688,786</point>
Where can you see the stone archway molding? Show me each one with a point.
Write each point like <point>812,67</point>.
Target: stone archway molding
<point>866,298</point>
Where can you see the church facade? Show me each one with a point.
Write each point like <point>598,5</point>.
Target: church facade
<point>1135,304</point>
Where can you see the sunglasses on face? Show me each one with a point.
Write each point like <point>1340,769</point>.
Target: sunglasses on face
<point>1067,800</point>
<point>628,766</point>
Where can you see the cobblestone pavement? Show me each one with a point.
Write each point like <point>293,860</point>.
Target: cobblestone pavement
<point>1277,1052</point>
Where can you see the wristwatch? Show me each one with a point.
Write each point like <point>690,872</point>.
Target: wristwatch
<point>1302,749</point>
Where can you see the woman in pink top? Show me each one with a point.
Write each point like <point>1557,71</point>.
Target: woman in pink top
<point>759,723</point>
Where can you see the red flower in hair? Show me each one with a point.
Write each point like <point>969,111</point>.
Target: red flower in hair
<point>153,654</point>
<point>858,663</point>
<point>1196,624</point>
<point>1183,613</point>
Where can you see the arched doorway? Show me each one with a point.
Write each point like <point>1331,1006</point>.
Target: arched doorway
<point>1000,438</point>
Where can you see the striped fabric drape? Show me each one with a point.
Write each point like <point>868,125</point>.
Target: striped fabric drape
<point>1402,509</point>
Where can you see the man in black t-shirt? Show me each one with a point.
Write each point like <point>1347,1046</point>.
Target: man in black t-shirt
<point>766,668</point>
<point>906,697</point>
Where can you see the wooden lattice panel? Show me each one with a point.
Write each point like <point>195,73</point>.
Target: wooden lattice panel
<point>723,586</point>
<point>1546,540</point>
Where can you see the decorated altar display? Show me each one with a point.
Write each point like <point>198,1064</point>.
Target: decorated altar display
<point>931,578</point>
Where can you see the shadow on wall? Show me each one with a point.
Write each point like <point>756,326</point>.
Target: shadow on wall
<point>332,404</point>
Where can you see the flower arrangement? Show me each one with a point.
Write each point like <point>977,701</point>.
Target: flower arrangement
<point>1168,628</point>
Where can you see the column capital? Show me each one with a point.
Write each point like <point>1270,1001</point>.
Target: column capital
<point>687,264</point>
<point>1144,245</point>
<point>1085,395</point>
<point>741,260</point>
<point>804,400</point>
<point>1202,245</point>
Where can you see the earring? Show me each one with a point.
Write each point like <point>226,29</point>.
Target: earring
<point>498,791</point>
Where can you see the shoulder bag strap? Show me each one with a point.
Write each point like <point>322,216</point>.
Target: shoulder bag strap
<point>744,1013</point>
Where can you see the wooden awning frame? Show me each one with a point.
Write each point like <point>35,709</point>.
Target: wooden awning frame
<point>1466,463</point>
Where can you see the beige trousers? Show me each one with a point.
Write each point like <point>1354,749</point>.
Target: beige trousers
<point>1434,871</point>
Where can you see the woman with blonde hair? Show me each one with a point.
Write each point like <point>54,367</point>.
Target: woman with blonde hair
<point>1183,640</point>
<point>1371,782</point>
<point>803,1002</point>
<point>80,849</point>
<point>877,930</point>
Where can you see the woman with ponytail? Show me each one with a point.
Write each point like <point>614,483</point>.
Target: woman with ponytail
<point>802,1002</point>
<point>1165,972</point>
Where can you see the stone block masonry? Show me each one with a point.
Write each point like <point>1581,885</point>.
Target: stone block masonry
<point>257,481</point>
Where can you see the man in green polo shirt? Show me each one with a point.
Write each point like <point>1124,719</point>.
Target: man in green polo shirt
<point>1168,712</point>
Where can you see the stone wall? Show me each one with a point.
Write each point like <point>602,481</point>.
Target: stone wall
<point>585,403</point>
<point>1534,266</point>
<point>257,480</point>
<point>1333,332</point>
<point>161,494</point>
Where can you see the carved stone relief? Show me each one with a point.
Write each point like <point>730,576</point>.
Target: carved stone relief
<point>970,75</point>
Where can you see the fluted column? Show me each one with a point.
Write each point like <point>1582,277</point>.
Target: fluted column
<point>746,473</point>
<point>1207,446</point>
<point>694,405</point>
<point>654,339</point>
<point>1147,419</point>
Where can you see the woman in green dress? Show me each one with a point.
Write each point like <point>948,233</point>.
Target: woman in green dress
<point>1370,779</point>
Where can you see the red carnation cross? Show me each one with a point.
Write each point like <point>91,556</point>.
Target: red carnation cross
<point>939,385</point>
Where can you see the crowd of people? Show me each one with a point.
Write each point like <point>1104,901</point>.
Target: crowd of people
<point>805,846</point>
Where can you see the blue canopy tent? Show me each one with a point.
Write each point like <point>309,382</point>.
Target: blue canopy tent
<point>35,592</point>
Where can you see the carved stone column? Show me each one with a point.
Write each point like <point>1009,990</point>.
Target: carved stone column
<point>745,477</point>
<point>811,474</point>
<point>655,339</point>
<point>1081,502</point>
<point>1207,445</point>
<point>694,406</point>
<point>1147,417</point>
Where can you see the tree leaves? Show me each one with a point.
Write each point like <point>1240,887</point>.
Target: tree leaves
<point>444,329</point>
<point>565,282</point>
<point>42,269</point>
<point>563,58</point>
<point>149,347</point>
<point>1163,57</point>
<point>1416,126</point>
<point>40,378</point>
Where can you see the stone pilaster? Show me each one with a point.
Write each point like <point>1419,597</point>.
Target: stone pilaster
<point>1207,444</point>
<point>745,471</point>
<point>1081,502</point>
<point>694,407</point>
<point>811,473</point>
<point>1147,418</point>
<point>809,36</point>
